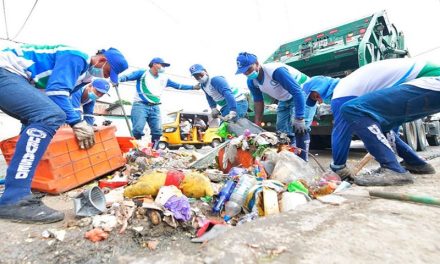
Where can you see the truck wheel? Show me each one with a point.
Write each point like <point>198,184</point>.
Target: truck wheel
<point>422,143</point>
<point>434,140</point>
<point>410,134</point>
<point>198,146</point>
<point>162,145</point>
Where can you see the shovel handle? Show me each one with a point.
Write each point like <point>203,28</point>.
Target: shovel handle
<point>362,163</point>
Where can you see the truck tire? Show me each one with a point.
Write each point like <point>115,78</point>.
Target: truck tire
<point>434,140</point>
<point>422,143</point>
<point>410,134</point>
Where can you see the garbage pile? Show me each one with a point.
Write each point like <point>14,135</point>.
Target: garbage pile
<point>256,175</point>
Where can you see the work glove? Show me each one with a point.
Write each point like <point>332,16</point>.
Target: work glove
<point>196,87</point>
<point>230,116</point>
<point>299,126</point>
<point>84,134</point>
<point>215,112</point>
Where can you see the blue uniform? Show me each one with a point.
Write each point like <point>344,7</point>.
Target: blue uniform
<point>147,100</point>
<point>84,109</point>
<point>57,69</point>
<point>367,79</point>
<point>284,84</point>
<point>218,92</point>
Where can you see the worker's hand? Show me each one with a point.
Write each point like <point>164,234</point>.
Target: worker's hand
<point>196,87</point>
<point>84,134</point>
<point>299,126</point>
<point>230,116</point>
<point>215,112</point>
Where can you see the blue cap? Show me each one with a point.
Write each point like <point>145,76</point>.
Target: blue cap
<point>244,61</point>
<point>158,60</point>
<point>196,68</point>
<point>101,85</point>
<point>321,84</point>
<point>117,62</point>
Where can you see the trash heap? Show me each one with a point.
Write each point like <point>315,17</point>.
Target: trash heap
<point>253,175</point>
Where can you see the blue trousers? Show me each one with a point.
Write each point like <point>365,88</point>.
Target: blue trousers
<point>242,108</point>
<point>374,113</point>
<point>40,118</point>
<point>140,115</point>
<point>285,117</point>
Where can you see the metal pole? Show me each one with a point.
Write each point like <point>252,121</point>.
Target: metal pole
<point>123,110</point>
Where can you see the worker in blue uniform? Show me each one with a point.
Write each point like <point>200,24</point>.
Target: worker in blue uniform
<point>83,100</point>
<point>372,78</point>
<point>150,85</point>
<point>283,83</point>
<point>60,71</point>
<point>232,102</point>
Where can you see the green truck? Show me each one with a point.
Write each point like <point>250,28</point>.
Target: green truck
<point>337,52</point>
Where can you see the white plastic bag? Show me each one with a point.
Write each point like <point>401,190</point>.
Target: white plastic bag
<point>289,167</point>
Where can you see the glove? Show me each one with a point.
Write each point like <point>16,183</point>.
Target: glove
<point>215,112</point>
<point>196,87</point>
<point>299,126</point>
<point>230,116</point>
<point>84,134</point>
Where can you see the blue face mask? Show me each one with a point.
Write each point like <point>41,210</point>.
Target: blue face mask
<point>253,75</point>
<point>97,72</point>
<point>161,70</point>
<point>92,96</point>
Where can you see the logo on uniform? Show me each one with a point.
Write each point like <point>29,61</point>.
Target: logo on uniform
<point>33,132</point>
<point>273,83</point>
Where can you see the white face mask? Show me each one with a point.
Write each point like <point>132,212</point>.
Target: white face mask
<point>204,79</point>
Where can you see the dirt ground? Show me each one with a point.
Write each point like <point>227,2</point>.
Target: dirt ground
<point>362,230</point>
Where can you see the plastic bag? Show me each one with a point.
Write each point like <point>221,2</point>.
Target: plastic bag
<point>289,167</point>
<point>148,184</point>
<point>196,185</point>
<point>223,130</point>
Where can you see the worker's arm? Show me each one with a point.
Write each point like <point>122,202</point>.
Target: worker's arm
<point>286,80</point>
<point>257,95</point>
<point>221,85</point>
<point>133,76</point>
<point>179,86</point>
<point>61,83</point>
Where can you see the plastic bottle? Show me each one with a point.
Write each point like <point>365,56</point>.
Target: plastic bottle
<point>238,196</point>
<point>223,196</point>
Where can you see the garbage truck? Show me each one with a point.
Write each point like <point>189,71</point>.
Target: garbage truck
<point>337,52</point>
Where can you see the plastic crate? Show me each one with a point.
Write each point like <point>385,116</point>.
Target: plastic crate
<point>65,166</point>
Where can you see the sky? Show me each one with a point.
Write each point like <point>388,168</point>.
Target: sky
<point>212,33</point>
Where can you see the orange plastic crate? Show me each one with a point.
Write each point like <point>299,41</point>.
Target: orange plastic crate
<point>65,166</point>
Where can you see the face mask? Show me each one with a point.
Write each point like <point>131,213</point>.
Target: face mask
<point>92,96</point>
<point>204,79</point>
<point>97,72</point>
<point>253,75</point>
<point>161,70</point>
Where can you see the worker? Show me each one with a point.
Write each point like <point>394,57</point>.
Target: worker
<point>375,78</point>
<point>149,87</point>
<point>83,100</point>
<point>60,70</point>
<point>283,83</point>
<point>232,102</point>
